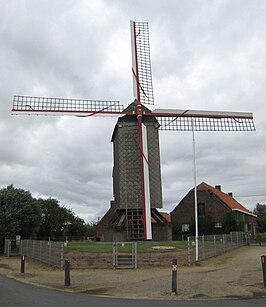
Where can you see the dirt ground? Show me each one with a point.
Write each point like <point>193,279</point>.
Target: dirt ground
<point>236,274</point>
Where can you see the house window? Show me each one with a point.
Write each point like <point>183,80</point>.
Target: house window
<point>185,227</point>
<point>218,225</point>
<point>201,209</point>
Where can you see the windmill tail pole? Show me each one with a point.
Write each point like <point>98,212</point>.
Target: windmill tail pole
<point>139,117</point>
<point>144,174</point>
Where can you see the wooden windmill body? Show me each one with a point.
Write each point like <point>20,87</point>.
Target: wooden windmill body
<point>126,176</point>
<point>137,172</point>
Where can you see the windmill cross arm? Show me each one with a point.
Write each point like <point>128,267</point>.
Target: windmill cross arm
<point>32,105</point>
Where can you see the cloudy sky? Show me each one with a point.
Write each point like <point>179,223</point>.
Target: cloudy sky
<point>207,55</point>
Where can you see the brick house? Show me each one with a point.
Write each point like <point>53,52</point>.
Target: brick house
<point>212,204</point>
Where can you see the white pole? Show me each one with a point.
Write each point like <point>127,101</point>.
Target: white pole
<point>195,193</point>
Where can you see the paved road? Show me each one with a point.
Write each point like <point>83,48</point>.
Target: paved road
<point>14,293</point>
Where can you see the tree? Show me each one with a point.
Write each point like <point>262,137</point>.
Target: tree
<point>260,211</point>
<point>19,213</point>
<point>76,228</point>
<point>92,228</point>
<point>230,222</point>
<point>58,221</point>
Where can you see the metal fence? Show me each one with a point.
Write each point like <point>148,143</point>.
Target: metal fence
<point>49,252</point>
<point>12,247</point>
<point>213,245</point>
<point>125,255</point>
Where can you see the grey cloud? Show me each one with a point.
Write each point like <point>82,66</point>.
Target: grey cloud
<point>205,55</point>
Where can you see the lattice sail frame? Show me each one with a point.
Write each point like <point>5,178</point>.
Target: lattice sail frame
<point>205,124</point>
<point>141,62</point>
<point>64,106</point>
<point>188,120</point>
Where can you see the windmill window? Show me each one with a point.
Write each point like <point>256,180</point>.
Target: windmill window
<point>201,209</point>
<point>185,227</point>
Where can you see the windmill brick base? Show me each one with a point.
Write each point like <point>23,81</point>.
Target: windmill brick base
<point>119,225</point>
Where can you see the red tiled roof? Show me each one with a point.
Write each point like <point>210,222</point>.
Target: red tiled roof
<point>165,215</point>
<point>226,199</point>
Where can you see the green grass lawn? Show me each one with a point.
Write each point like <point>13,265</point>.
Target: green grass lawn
<point>142,247</point>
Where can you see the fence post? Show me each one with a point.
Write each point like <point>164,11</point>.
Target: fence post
<point>62,255</point>
<point>33,252</point>
<point>214,242</point>
<point>136,254</point>
<point>21,248</point>
<point>7,247</point>
<point>49,252</point>
<point>40,250</point>
<point>67,273</point>
<point>22,264</point>
<point>188,250</point>
<point>27,247</point>
<point>114,255</point>
<point>263,262</point>
<point>174,276</point>
<point>203,246</point>
<point>226,240</point>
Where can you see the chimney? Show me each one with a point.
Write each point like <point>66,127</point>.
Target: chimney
<point>230,194</point>
<point>218,187</point>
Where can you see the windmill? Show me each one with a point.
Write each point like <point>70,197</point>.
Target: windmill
<point>136,175</point>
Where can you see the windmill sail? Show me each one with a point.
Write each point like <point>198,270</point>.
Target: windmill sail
<point>181,120</point>
<point>64,106</point>
<point>141,62</point>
